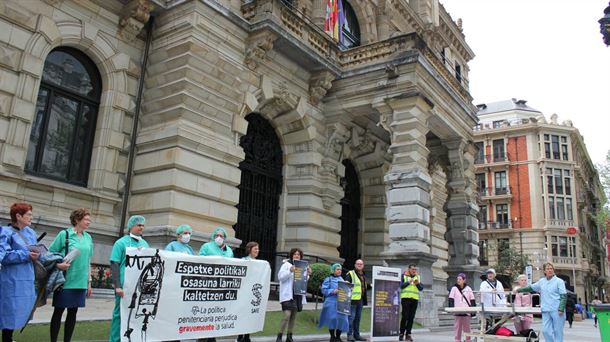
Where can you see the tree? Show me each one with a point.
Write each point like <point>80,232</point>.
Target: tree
<point>603,216</point>
<point>511,262</point>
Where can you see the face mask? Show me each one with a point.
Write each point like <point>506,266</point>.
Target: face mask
<point>137,237</point>
<point>219,241</point>
<point>185,238</point>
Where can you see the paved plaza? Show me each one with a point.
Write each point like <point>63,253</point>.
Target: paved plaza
<point>101,309</point>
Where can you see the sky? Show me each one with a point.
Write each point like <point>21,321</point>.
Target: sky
<point>548,52</point>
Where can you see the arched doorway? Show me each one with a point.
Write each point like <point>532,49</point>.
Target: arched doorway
<point>350,214</point>
<point>260,188</point>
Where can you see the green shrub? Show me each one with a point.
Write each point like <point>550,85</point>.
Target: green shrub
<point>319,272</point>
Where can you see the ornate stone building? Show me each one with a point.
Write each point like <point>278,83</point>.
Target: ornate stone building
<point>247,115</point>
<point>539,193</point>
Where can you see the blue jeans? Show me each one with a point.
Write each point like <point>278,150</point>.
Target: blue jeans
<point>354,319</point>
<point>552,326</point>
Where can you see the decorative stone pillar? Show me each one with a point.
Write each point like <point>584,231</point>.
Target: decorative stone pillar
<point>462,212</point>
<point>318,12</point>
<point>408,194</point>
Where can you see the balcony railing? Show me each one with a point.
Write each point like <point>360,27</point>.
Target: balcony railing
<point>492,192</point>
<point>556,223</point>
<point>564,260</point>
<point>492,158</point>
<point>499,225</point>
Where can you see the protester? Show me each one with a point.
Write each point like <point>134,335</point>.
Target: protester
<point>359,299</point>
<point>492,295</point>
<point>595,301</point>
<point>570,306</point>
<point>17,293</point>
<point>217,245</point>
<point>291,303</point>
<point>183,237</point>
<point>329,316</point>
<point>77,272</point>
<point>252,250</point>
<point>552,303</point>
<point>135,227</point>
<point>522,321</point>
<point>461,296</point>
<point>410,286</point>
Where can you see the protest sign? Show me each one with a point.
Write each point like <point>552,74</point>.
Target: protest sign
<point>386,304</point>
<point>344,298</point>
<point>174,296</point>
<point>300,277</point>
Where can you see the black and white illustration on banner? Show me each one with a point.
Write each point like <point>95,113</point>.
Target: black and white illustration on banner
<point>145,298</point>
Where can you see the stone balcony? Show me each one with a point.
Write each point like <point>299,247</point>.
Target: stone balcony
<point>277,25</point>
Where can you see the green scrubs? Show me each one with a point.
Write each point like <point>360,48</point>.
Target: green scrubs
<point>177,246</point>
<point>77,276</point>
<point>118,255</point>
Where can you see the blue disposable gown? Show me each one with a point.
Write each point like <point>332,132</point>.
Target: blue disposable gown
<point>329,316</point>
<point>177,246</point>
<point>17,293</point>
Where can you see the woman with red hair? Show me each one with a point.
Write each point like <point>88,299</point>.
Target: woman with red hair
<point>17,293</point>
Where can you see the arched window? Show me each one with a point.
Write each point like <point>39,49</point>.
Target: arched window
<point>351,28</point>
<point>64,122</point>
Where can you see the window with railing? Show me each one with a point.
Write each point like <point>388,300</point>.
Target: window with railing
<point>559,191</point>
<point>482,217</point>
<point>481,182</point>
<point>483,253</point>
<point>498,150</point>
<point>501,186</point>
<point>563,246</point>
<point>502,216</point>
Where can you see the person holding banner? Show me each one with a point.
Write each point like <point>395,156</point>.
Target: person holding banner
<point>181,244</point>
<point>217,245</point>
<point>135,227</point>
<point>330,317</point>
<point>17,292</point>
<point>74,241</point>
<point>410,287</point>
<point>461,296</point>
<point>252,250</point>
<point>291,302</point>
<point>359,299</point>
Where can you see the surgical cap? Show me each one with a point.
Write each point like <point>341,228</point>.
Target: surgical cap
<point>135,220</point>
<point>219,230</point>
<point>184,228</point>
<point>334,267</point>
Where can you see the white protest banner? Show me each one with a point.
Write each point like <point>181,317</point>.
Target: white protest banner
<point>174,296</point>
<point>386,304</point>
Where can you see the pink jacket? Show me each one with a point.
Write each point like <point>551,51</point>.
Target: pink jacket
<point>458,300</point>
<point>523,299</point>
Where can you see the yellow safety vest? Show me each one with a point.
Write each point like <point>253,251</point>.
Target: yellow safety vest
<point>357,289</point>
<point>410,291</point>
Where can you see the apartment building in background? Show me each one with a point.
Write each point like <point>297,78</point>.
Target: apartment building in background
<point>539,193</point>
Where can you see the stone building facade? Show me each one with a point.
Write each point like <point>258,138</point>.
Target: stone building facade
<point>539,193</point>
<point>248,116</point>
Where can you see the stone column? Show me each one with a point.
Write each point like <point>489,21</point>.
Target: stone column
<point>318,12</point>
<point>408,194</point>
<point>462,212</point>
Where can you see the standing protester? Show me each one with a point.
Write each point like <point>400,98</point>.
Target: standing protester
<point>410,286</point>
<point>359,299</point>
<point>329,316</point>
<point>217,245</point>
<point>595,301</point>
<point>77,272</point>
<point>17,293</point>
<point>492,295</point>
<point>552,303</point>
<point>291,303</point>
<point>570,306</point>
<point>135,227</point>
<point>181,244</point>
<point>461,296</point>
<point>252,250</point>
<point>522,322</point>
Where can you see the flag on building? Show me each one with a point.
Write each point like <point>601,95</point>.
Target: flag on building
<point>335,18</point>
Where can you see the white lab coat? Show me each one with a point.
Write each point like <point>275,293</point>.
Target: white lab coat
<point>286,279</point>
<point>491,299</point>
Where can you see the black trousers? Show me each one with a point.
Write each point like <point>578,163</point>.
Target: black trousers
<point>409,307</point>
<point>570,317</point>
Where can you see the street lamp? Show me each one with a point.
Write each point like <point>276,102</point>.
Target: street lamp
<point>604,24</point>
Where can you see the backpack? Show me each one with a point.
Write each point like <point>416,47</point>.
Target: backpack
<point>504,331</point>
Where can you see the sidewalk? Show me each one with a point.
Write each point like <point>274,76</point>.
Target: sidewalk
<point>101,309</point>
